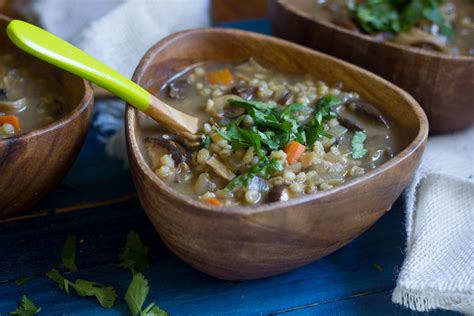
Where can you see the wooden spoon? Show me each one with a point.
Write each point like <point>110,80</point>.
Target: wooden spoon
<point>52,49</point>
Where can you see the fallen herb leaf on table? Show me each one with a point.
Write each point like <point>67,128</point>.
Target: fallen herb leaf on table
<point>136,295</point>
<point>106,295</point>
<point>68,253</point>
<point>134,257</point>
<point>26,308</point>
<point>134,253</point>
<point>22,280</point>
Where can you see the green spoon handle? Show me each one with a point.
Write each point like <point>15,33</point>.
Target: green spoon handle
<point>60,53</point>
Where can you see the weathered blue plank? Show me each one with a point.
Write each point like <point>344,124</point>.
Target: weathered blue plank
<point>32,248</point>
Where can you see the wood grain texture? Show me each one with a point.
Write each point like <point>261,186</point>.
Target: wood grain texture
<point>443,84</point>
<point>171,118</point>
<point>233,10</point>
<point>33,163</point>
<point>247,243</point>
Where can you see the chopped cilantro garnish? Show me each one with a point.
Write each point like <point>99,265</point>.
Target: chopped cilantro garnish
<point>134,253</point>
<point>106,295</point>
<point>26,308</point>
<point>68,253</point>
<point>358,150</point>
<point>399,15</point>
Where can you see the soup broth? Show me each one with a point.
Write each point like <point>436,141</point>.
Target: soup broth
<point>268,136</point>
<point>459,13</point>
<point>30,96</point>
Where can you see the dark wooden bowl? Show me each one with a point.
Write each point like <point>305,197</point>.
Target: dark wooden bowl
<point>33,163</point>
<point>442,84</point>
<point>239,243</point>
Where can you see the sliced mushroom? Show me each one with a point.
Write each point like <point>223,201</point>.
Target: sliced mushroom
<point>220,102</point>
<point>220,169</point>
<point>232,112</point>
<point>287,98</point>
<point>418,38</point>
<point>349,124</point>
<point>258,184</point>
<point>178,152</point>
<point>3,93</point>
<point>277,194</point>
<point>245,92</point>
<point>177,89</point>
<point>13,106</point>
<point>369,110</point>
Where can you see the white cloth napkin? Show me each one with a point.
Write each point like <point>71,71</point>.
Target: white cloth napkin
<point>438,271</point>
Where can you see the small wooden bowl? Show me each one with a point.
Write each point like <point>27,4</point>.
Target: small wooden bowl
<point>443,84</point>
<point>31,164</point>
<point>239,243</point>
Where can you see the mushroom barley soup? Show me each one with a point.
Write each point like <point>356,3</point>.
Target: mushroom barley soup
<point>267,136</point>
<point>446,26</point>
<point>29,96</point>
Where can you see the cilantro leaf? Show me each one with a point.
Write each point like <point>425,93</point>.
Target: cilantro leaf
<point>68,253</point>
<point>22,280</point>
<point>134,253</point>
<point>106,295</point>
<point>26,308</point>
<point>136,295</point>
<point>358,150</point>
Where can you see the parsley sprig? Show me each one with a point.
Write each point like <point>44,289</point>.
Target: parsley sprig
<point>134,257</point>
<point>399,15</point>
<point>134,253</point>
<point>106,295</point>
<point>26,308</point>
<point>273,128</point>
<point>68,253</point>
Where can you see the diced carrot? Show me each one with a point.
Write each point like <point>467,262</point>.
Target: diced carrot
<point>222,76</point>
<point>10,119</point>
<point>293,151</point>
<point>213,201</point>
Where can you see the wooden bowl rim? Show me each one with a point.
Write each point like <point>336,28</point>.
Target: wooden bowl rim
<point>77,109</point>
<point>135,153</point>
<point>416,51</point>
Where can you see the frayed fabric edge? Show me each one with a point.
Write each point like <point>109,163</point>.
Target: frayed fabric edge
<point>422,301</point>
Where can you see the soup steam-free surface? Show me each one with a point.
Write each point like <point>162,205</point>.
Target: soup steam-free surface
<point>324,136</point>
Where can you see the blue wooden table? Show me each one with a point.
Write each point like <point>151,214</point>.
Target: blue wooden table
<point>97,202</point>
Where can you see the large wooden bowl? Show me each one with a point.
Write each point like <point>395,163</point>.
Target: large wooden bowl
<point>240,243</point>
<point>33,163</point>
<point>442,84</point>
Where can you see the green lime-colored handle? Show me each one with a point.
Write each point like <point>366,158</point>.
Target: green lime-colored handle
<point>60,53</point>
